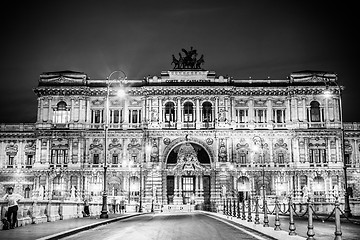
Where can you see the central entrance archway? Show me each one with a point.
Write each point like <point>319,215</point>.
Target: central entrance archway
<point>188,179</point>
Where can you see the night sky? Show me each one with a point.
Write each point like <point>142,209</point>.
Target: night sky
<point>238,38</point>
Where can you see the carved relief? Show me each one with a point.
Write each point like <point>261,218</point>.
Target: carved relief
<point>30,147</point>
<point>154,156</point>
<point>209,141</point>
<point>134,148</point>
<point>281,152</point>
<point>96,145</point>
<point>166,141</point>
<point>11,149</point>
<point>241,152</point>
<point>222,151</point>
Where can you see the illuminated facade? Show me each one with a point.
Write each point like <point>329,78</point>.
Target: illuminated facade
<point>211,137</point>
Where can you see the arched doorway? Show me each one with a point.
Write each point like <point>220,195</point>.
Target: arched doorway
<point>188,179</point>
<point>243,188</point>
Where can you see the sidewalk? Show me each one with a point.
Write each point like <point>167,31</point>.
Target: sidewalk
<point>323,230</point>
<point>52,230</point>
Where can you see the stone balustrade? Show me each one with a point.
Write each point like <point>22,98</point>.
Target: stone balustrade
<point>39,211</point>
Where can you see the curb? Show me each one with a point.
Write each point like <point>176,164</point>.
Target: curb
<point>259,229</point>
<point>86,227</point>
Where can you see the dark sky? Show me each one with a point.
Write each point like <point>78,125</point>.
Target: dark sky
<point>238,38</point>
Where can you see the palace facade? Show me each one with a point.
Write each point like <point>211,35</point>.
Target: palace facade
<point>186,136</point>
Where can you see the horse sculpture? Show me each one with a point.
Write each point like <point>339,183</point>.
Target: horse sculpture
<point>189,61</point>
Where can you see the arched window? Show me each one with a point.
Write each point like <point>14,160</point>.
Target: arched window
<point>27,192</point>
<point>188,112</point>
<point>207,112</point>
<point>61,113</point>
<point>170,112</point>
<point>315,111</point>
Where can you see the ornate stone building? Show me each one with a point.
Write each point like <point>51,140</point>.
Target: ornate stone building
<point>210,137</point>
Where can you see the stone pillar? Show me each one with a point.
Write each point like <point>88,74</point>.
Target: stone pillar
<point>144,112</point>
<point>288,110</point>
<point>295,116</point>
<point>269,111</point>
<point>216,109</point>
<point>304,109</point>
<point>160,111</point>
<point>179,116</point>
<point>198,120</point>
<point>126,114</point>
<point>49,111</point>
<point>251,110</point>
<point>72,110</point>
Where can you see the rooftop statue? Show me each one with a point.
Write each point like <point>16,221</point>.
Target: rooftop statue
<point>189,61</point>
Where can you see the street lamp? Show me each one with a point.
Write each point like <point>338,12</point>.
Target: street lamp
<point>152,187</point>
<point>258,141</point>
<point>121,77</point>
<point>327,94</point>
<point>147,149</point>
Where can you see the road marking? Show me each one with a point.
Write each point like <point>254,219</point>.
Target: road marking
<point>237,227</point>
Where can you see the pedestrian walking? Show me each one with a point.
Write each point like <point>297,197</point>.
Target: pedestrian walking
<point>12,199</point>
<point>86,212</point>
<point>122,206</point>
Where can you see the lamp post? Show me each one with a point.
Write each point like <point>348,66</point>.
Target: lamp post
<point>259,141</point>
<point>147,149</point>
<point>122,76</point>
<point>328,94</point>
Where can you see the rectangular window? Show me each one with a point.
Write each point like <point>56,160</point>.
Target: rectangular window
<point>96,116</point>
<point>242,158</point>
<point>134,116</point>
<point>115,158</point>
<point>241,115</point>
<point>260,115</point>
<point>11,160</point>
<point>96,158</point>
<point>347,158</point>
<point>281,159</point>
<point>188,184</point>
<point>29,159</point>
<point>279,116</point>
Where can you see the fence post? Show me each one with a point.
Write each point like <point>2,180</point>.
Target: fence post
<point>292,227</point>
<point>243,217</point>
<point>266,218</point>
<point>234,208</point>
<point>249,210</point>
<point>230,214</point>
<point>257,219</point>
<point>338,232</point>
<point>310,231</point>
<point>238,208</point>
<point>224,207</point>
<point>277,218</point>
<point>227,206</point>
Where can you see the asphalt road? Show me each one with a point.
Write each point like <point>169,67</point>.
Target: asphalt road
<point>186,226</point>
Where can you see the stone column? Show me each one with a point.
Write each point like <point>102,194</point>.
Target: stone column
<point>179,116</point>
<point>251,110</point>
<point>160,111</point>
<point>304,109</point>
<point>126,114</point>
<point>269,111</point>
<point>72,110</point>
<point>144,112</point>
<point>198,122</point>
<point>201,186</point>
<point>49,111</point>
<point>288,110</point>
<point>217,109</point>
